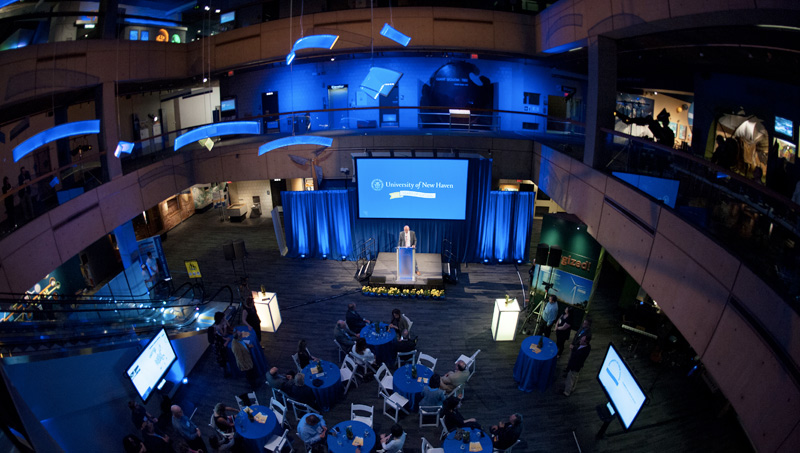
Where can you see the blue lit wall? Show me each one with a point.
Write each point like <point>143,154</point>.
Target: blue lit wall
<point>305,87</point>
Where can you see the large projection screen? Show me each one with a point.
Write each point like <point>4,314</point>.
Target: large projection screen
<point>152,364</point>
<point>396,188</point>
<point>621,387</point>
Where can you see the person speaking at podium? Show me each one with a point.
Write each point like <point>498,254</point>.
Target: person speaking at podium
<point>409,239</point>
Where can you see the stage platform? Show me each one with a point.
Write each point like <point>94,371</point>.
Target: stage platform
<point>429,264</point>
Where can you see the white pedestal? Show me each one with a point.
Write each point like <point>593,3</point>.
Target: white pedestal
<point>504,320</point>
<point>268,310</point>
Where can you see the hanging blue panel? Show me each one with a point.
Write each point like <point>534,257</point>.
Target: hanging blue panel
<point>391,33</point>
<point>380,81</point>
<point>295,140</point>
<point>55,133</point>
<point>218,130</point>
<point>311,42</point>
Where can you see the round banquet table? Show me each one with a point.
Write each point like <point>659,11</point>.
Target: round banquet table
<point>259,360</point>
<point>329,391</point>
<point>411,389</point>
<point>381,344</point>
<point>451,445</point>
<point>359,429</point>
<point>255,435</point>
<point>535,370</point>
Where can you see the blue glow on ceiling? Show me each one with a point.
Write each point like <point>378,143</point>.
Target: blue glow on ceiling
<point>380,81</point>
<point>217,130</point>
<point>312,42</point>
<point>564,47</point>
<point>123,147</point>
<point>295,140</point>
<point>55,133</point>
<point>391,33</point>
<point>160,23</point>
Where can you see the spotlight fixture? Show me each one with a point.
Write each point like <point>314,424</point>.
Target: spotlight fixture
<point>312,42</point>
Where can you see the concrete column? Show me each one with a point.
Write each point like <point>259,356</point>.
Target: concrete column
<point>106,102</point>
<point>107,18</point>
<point>600,99</point>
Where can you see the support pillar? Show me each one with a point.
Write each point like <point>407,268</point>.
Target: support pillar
<point>601,98</point>
<point>106,102</point>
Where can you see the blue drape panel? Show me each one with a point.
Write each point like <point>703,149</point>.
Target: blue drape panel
<point>317,223</point>
<point>523,216</point>
<point>503,202</point>
<point>508,217</point>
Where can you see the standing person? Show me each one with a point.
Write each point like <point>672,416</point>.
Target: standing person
<point>25,193</point>
<point>250,317</point>
<point>549,315</point>
<point>393,443</point>
<point>9,202</point>
<point>408,238</point>
<point>576,361</point>
<point>563,326</point>
<point>585,330</point>
<point>152,266</point>
<point>154,439</point>
<point>244,360</point>
<point>505,434</point>
<point>187,429</point>
<point>222,336</point>
<point>355,321</point>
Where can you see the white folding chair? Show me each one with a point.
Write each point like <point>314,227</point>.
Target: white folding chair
<point>428,448</point>
<point>342,350</point>
<point>404,358</point>
<point>251,396</point>
<point>410,323</point>
<point>348,372</point>
<point>507,450</point>
<point>426,360</point>
<point>457,392</point>
<point>396,402</point>
<point>280,395</point>
<point>429,412</point>
<point>385,379</point>
<point>361,413</point>
<point>297,362</point>
<point>306,446</point>
<point>280,411</point>
<point>445,432</point>
<point>222,434</point>
<point>470,361</point>
<point>301,409</point>
<point>276,443</point>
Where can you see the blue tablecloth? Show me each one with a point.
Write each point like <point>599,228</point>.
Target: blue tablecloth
<point>259,361</point>
<point>331,389</point>
<point>451,445</point>
<point>254,435</point>
<point>411,389</point>
<point>382,344</point>
<point>532,370</point>
<point>346,446</point>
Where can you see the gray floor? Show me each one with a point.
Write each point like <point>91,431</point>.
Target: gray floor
<point>682,414</point>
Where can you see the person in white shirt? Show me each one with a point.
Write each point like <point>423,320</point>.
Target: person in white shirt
<point>393,443</point>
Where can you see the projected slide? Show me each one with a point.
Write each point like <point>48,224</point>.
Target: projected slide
<point>621,387</point>
<point>567,287</point>
<point>412,188</point>
<point>152,364</point>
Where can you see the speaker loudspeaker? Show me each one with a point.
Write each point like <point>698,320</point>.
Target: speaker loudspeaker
<point>541,254</point>
<point>228,251</point>
<point>239,251</point>
<point>554,259</point>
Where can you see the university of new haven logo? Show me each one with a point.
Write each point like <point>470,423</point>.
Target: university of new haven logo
<point>377,185</point>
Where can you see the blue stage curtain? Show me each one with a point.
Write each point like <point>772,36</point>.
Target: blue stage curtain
<point>317,223</point>
<point>503,202</point>
<point>523,216</point>
<point>508,228</point>
<point>480,229</point>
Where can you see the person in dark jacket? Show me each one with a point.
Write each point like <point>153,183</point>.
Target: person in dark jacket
<point>576,361</point>
<point>505,434</point>
<point>355,321</point>
<point>301,392</point>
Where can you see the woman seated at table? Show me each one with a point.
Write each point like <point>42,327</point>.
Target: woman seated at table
<point>362,353</point>
<point>432,395</point>
<point>453,418</point>
<point>301,392</point>
<point>398,322</point>
<point>393,443</point>
<point>303,356</point>
<point>223,422</point>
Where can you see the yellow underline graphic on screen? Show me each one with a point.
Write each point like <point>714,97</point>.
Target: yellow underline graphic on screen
<point>411,193</point>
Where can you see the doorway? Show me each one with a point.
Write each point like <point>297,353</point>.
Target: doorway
<point>556,108</point>
<point>269,104</point>
<point>337,99</point>
<point>389,113</point>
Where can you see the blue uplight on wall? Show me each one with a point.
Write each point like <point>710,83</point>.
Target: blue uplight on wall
<point>4,3</point>
<point>295,140</point>
<point>123,147</point>
<point>380,81</point>
<point>217,130</point>
<point>312,42</point>
<point>55,133</point>
<point>391,33</point>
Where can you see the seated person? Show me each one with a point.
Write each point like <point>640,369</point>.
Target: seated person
<point>355,321</point>
<point>223,422</point>
<point>275,380</point>
<point>303,356</point>
<point>343,335</point>
<point>301,392</point>
<point>453,418</point>
<point>432,395</point>
<point>505,434</point>
<point>154,439</point>
<point>405,343</point>
<point>398,322</point>
<point>362,353</point>
<point>393,443</point>
<point>312,429</point>
<point>453,379</point>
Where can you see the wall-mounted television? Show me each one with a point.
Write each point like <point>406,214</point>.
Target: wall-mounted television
<point>227,106</point>
<point>784,126</point>
<point>150,366</point>
<point>395,188</point>
<point>621,387</point>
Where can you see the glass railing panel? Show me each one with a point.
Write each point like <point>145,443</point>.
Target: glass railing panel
<point>756,224</point>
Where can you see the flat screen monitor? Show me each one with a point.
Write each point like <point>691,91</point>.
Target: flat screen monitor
<point>152,364</point>
<point>786,150</point>
<point>389,117</point>
<point>133,35</point>
<point>144,36</point>
<point>621,387</point>
<point>228,105</point>
<point>784,126</point>
<point>227,17</point>
<point>396,188</point>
